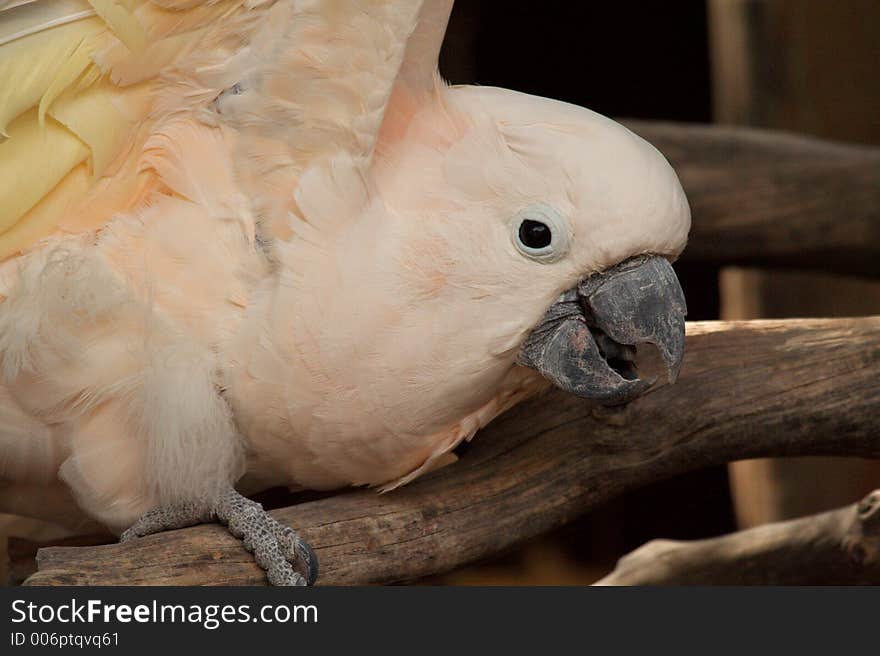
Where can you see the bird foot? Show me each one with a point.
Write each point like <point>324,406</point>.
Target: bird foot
<point>278,549</point>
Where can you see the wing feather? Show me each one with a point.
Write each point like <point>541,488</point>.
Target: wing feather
<point>290,83</point>
<point>79,82</point>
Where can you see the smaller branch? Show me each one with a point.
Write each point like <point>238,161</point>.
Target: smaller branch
<point>840,547</point>
<point>766,198</point>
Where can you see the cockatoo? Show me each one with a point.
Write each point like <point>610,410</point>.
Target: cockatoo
<point>251,243</point>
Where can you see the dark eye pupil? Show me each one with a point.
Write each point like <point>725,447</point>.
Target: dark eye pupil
<point>534,234</point>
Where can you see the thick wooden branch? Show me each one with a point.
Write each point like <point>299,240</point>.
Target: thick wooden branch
<point>769,198</point>
<point>747,389</point>
<point>841,547</point>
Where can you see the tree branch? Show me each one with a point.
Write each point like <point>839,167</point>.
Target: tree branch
<point>747,389</point>
<point>840,547</point>
<point>760,197</point>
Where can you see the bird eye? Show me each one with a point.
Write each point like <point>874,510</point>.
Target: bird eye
<point>540,233</point>
<point>534,234</point>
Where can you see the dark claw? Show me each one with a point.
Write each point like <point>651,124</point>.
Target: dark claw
<point>309,562</point>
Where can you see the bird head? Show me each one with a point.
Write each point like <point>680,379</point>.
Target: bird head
<point>549,229</point>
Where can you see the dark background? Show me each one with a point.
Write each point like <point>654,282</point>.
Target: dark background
<point>639,59</point>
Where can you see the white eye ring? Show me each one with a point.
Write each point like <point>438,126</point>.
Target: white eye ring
<point>560,233</point>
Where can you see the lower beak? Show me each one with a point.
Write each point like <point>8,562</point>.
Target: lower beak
<point>586,342</point>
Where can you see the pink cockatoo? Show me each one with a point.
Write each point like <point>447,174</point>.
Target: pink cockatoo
<point>251,243</point>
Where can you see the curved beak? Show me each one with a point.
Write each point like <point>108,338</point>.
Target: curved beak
<point>586,342</point>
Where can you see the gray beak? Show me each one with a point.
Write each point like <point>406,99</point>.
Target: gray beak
<point>585,344</point>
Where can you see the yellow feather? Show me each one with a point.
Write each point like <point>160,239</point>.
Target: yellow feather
<point>76,96</point>
<point>92,75</point>
<point>26,173</point>
<point>30,65</point>
<point>39,17</point>
<point>67,74</point>
<point>41,220</point>
<point>93,117</point>
<point>123,23</point>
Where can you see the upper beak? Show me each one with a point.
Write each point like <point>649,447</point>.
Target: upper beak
<point>586,342</point>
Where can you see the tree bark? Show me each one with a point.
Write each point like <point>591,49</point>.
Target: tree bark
<point>747,389</point>
<point>839,547</point>
<point>760,197</point>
